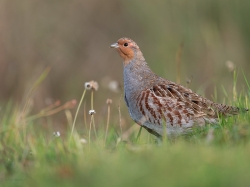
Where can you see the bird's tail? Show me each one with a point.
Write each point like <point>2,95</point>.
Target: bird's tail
<point>228,110</point>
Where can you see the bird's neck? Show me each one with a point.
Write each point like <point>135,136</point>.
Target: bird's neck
<point>137,75</point>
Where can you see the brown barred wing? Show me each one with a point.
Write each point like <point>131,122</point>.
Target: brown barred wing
<point>157,104</point>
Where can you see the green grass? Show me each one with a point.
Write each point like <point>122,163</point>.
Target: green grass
<point>31,156</point>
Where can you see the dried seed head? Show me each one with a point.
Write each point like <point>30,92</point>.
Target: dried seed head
<point>87,86</point>
<point>56,134</point>
<point>113,86</point>
<point>189,80</point>
<point>109,101</point>
<point>57,103</point>
<point>230,65</point>
<point>91,112</point>
<point>83,141</point>
<point>91,85</point>
<point>48,101</point>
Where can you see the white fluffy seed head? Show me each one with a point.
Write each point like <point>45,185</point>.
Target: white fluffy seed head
<point>91,112</point>
<point>56,134</point>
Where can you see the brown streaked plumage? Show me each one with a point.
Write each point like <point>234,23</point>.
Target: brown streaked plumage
<point>152,100</point>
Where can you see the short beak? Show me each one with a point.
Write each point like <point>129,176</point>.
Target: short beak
<point>115,45</point>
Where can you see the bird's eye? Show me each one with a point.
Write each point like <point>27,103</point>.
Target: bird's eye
<point>125,44</point>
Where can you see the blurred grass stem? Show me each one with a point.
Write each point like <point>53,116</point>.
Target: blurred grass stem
<point>79,105</point>
<point>120,116</point>
<point>107,127</point>
<point>178,64</point>
<point>92,108</point>
<point>32,90</point>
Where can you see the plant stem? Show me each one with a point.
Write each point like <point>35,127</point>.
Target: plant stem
<point>139,134</point>
<point>90,127</point>
<point>79,105</point>
<point>120,117</point>
<point>107,127</point>
<point>92,108</point>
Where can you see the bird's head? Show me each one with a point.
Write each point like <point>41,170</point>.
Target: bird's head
<point>127,49</point>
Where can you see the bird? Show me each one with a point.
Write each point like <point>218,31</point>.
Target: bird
<point>162,106</point>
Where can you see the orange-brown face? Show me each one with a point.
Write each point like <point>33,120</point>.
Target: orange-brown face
<point>126,48</point>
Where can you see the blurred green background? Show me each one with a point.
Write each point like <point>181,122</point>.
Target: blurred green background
<point>73,37</point>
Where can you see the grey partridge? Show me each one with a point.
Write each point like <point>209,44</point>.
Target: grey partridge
<point>153,101</point>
